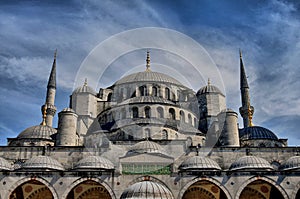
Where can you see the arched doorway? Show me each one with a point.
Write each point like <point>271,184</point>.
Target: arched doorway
<point>32,189</point>
<point>260,189</point>
<point>204,190</point>
<point>298,195</point>
<point>89,189</point>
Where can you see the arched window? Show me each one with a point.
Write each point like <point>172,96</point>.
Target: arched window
<point>172,114</point>
<point>109,97</point>
<point>154,91</point>
<point>147,133</point>
<point>143,90</point>
<point>190,119</point>
<point>147,112</point>
<point>167,93</point>
<point>160,112</point>
<point>164,134</point>
<point>182,116</point>
<point>135,112</point>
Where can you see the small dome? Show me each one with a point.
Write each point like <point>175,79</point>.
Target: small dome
<point>256,132</point>
<point>94,162</point>
<point>37,132</point>
<point>4,164</point>
<point>147,189</point>
<point>42,162</point>
<point>199,163</point>
<point>209,89</point>
<point>291,163</point>
<point>84,89</point>
<point>147,76</point>
<point>147,147</point>
<point>250,162</point>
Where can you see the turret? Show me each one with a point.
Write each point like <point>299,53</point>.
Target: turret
<point>211,102</point>
<point>246,110</point>
<point>84,102</point>
<point>229,128</point>
<point>49,109</point>
<point>67,127</point>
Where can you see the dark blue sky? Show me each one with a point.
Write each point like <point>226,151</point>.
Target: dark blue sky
<point>267,31</point>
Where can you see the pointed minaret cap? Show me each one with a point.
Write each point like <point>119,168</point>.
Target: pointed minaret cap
<point>148,61</point>
<point>243,80</point>
<point>52,77</point>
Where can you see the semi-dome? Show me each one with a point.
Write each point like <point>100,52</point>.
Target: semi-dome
<point>256,132</point>
<point>43,162</point>
<point>146,147</point>
<point>4,164</point>
<point>209,89</point>
<point>199,163</point>
<point>147,189</point>
<point>291,164</point>
<point>147,76</point>
<point>250,162</point>
<point>94,162</point>
<point>37,132</point>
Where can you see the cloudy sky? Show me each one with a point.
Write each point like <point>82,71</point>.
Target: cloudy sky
<point>268,32</point>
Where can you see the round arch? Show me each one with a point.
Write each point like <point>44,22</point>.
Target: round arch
<point>257,178</point>
<point>296,192</point>
<point>211,180</point>
<point>28,179</point>
<point>81,180</point>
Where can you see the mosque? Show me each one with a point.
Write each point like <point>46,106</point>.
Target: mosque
<point>148,136</point>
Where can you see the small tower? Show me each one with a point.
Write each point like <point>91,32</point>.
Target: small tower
<point>49,107</point>
<point>67,128</point>
<point>228,125</point>
<point>246,110</point>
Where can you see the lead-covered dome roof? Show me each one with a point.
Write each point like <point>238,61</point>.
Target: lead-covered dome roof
<point>199,163</point>
<point>42,162</point>
<point>250,162</point>
<point>4,164</point>
<point>208,89</point>
<point>147,189</point>
<point>94,162</point>
<point>146,147</point>
<point>256,132</point>
<point>291,164</point>
<point>84,89</point>
<point>37,132</point>
<point>147,76</point>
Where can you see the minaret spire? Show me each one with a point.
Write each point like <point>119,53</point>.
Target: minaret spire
<point>49,109</point>
<point>246,110</point>
<point>148,61</point>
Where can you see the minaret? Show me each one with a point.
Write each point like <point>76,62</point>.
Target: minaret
<point>49,109</point>
<point>246,110</point>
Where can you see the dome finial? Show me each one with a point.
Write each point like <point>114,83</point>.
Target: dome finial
<point>43,123</point>
<point>148,61</point>
<point>85,82</point>
<point>55,53</point>
<point>208,82</point>
<point>240,53</point>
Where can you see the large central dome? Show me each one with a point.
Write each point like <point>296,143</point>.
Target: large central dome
<point>147,76</point>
